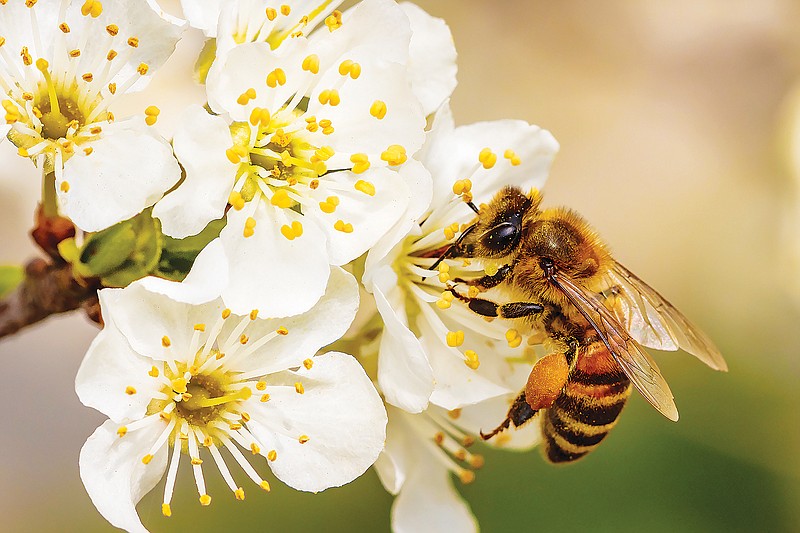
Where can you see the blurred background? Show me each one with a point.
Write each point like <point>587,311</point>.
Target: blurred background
<point>679,143</point>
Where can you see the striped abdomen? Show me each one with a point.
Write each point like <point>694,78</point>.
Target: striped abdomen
<point>587,407</point>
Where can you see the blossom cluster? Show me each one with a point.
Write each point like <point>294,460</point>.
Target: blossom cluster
<point>296,216</point>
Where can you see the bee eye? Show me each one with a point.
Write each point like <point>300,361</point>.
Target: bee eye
<point>501,238</point>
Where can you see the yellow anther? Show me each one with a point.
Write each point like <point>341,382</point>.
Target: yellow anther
<point>444,277</point>
<point>235,426</point>
<point>448,296</point>
<point>111,55</point>
<point>112,29</point>
<point>235,198</point>
<point>271,13</point>
<point>308,363</point>
<point>442,304</point>
<point>468,441</point>
<point>151,115</point>
<point>285,10</point>
<point>360,165</point>
<point>466,476</point>
<point>254,448</point>
<point>378,109</point>
<point>348,67</point>
<point>246,96</point>
<point>330,97</point>
<point>208,441</point>
<point>438,437</point>
<point>512,157</point>
<point>205,500</point>
<point>472,360</point>
<point>91,7</point>
<point>449,234</point>
<point>299,389</point>
<point>455,414</point>
<point>276,77</point>
<point>302,439</point>
<point>147,458</point>
<point>473,292</point>
<point>26,56</point>
<point>272,455</point>
<point>462,186</point>
<point>260,115</point>
<point>514,338</point>
<point>74,53</point>
<point>281,138</point>
<point>261,385</point>
<point>281,199</point>
<point>112,88</point>
<point>64,27</point>
<point>334,20</point>
<point>122,431</point>
<point>179,385</point>
<point>239,493</point>
<point>395,155</point>
<point>329,205</point>
<point>293,231</point>
<point>487,158</point>
<point>282,331</point>
<point>264,398</point>
<point>88,77</point>
<point>196,461</point>
<point>133,42</point>
<point>143,68</point>
<point>64,186</point>
<point>264,485</point>
<point>153,372</point>
<point>165,342</point>
<point>311,64</point>
<point>166,510</point>
<point>199,327</point>
<point>455,338</point>
<point>325,152</point>
<point>244,339</point>
<point>344,227</point>
<point>130,390</point>
<point>476,461</point>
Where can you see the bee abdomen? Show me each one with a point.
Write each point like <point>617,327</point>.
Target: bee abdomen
<point>583,414</point>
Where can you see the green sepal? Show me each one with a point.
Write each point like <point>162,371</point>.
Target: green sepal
<point>142,260</point>
<point>178,255</point>
<point>10,277</point>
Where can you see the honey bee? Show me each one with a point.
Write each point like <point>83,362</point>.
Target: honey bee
<point>564,283</point>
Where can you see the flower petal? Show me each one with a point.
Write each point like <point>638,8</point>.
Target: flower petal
<point>341,414</point>
<point>200,143</point>
<point>398,455</point>
<point>489,414</point>
<point>202,14</point>
<point>114,475</point>
<point>128,169</point>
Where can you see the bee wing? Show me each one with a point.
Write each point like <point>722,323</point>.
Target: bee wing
<point>656,323</point>
<point>637,365</point>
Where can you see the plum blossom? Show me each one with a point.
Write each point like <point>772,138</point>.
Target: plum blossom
<point>204,382</point>
<point>62,65</point>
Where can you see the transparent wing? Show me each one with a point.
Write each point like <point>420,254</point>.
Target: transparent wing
<point>637,365</point>
<point>656,323</point>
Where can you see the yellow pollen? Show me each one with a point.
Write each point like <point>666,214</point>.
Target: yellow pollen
<point>130,390</point>
<point>466,476</point>
<point>92,7</point>
<point>360,165</point>
<point>64,27</point>
<point>299,389</point>
<point>199,327</point>
<point>205,500</point>
<point>487,158</point>
<point>254,448</point>
<point>165,342</point>
<point>282,331</point>
<point>74,53</point>
<point>311,64</point>
<point>147,458</point>
<point>455,414</point>
<point>142,68</point>
<point>88,77</point>
<point>276,77</point>
<point>308,363</point>
<point>293,231</point>
<point>350,68</point>
<point>235,198</point>
<point>460,454</point>
<point>514,338</point>
<point>64,186</point>
<point>249,227</point>
<point>329,205</point>
<point>239,493</point>
<point>281,137</point>
<point>285,10</point>
<point>330,97</point>
<point>344,227</point>
<point>226,313</point>
<point>271,13</point>
<point>473,292</point>
<point>455,338</point>
<point>261,385</point>
<point>264,485</point>
<point>327,130</point>
<point>512,157</point>
<point>133,42</point>
<point>208,441</point>
<point>303,439</point>
<point>334,20</point>
<point>196,461</point>
<point>272,455</point>
<point>112,30</point>
<point>244,339</point>
<point>166,510</point>
<point>462,186</point>
<point>281,199</point>
<point>253,314</point>
<point>111,55</point>
<point>151,115</point>
<point>313,184</point>
<point>112,88</point>
<point>365,187</point>
<point>122,431</point>
<point>246,96</point>
<point>476,461</point>
<point>472,359</point>
<point>264,398</point>
<point>30,3</point>
<point>153,372</point>
<point>26,56</point>
<point>378,109</point>
<point>179,385</point>
<point>235,427</point>
<point>394,155</point>
<point>260,115</point>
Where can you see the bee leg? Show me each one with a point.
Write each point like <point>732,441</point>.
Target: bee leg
<point>519,413</point>
<point>487,282</point>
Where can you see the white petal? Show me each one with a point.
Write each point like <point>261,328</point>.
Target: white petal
<point>340,412</point>
<point>200,143</point>
<point>324,323</point>
<point>404,373</point>
<point>202,14</point>
<point>128,170</point>
<point>398,455</point>
<point>109,368</point>
<point>270,273</point>
<point>432,62</point>
<point>487,415</point>
<point>428,502</point>
<point>145,318</point>
<point>205,281</point>
<point>114,475</point>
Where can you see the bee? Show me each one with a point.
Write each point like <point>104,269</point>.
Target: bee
<point>564,283</point>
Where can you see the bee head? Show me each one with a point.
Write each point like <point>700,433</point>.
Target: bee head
<point>499,228</point>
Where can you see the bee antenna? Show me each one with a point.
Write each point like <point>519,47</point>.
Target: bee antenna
<point>450,248</point>
<point>474,208</point>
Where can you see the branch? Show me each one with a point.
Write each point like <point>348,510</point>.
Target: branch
<point>48,289</point>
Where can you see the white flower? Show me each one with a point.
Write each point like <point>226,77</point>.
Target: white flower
<point>305,148</point>
<point>207,383</point>
<point>62,64</point>
<point>423,450</point>
<point>433,349</point>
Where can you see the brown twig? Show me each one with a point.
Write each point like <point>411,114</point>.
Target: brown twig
<point>48,289</point>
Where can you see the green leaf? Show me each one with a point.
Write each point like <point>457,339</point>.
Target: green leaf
<point>10,277</point>
<point>143,258</point>
<point>178,255</point>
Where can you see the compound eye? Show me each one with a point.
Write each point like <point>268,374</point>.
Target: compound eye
<point>501,238</point>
